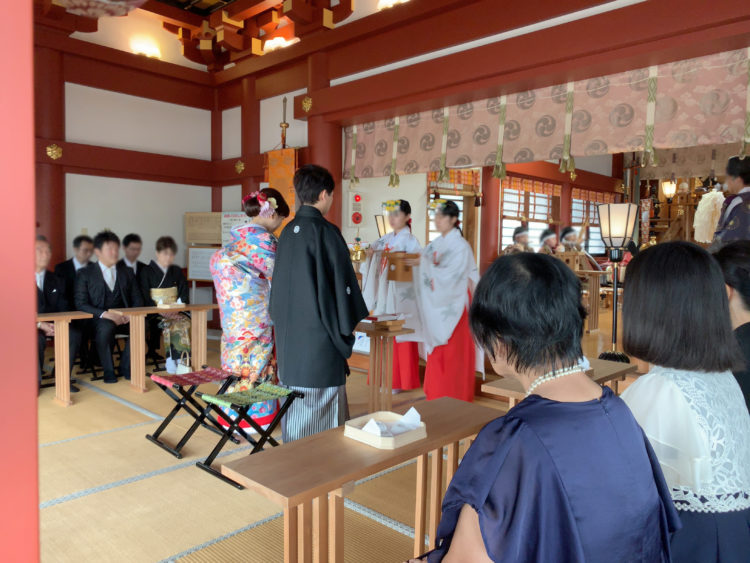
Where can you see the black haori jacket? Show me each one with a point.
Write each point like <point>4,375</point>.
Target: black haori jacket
<point>315,302</point>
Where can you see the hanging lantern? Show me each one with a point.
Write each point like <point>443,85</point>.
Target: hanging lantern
<point>100,8</point>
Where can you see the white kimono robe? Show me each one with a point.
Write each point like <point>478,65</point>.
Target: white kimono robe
<point>384,297</point>
<point>443,281</point>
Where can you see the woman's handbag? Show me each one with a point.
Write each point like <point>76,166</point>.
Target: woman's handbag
<point>183,364</point>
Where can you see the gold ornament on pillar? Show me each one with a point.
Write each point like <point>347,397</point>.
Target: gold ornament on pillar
<point>54,151</point>
<point>307,104</point>
<point>239,167</point>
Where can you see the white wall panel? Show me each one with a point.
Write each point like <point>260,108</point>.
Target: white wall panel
<point>271,111</point>
<point>110,119</point>
<point>231,198</point>
<point>231,127</point>
<point>151,209</point>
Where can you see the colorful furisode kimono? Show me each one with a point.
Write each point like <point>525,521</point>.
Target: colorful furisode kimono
<point>390,297</point>
<point>444,282</point>
<point>242,277</point>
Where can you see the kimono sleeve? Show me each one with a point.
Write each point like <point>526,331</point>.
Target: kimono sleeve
<point>508,478</point>
<point>339,298</point>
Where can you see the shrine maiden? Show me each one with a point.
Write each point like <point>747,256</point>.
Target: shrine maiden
<point>389,297</point>
<point>242,273</point>
<point>444,281</point>
<point>316,304</point>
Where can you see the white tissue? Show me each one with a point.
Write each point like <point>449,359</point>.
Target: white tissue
<point>410,421</point>
<point>179,301</point>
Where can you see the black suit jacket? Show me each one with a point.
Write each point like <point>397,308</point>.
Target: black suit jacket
<point>138,267</point>
<point>66,271</point>
<point>52,299</point>
<point>91,289</point>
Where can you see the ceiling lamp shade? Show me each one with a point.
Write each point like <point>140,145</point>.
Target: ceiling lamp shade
<point>617,223</point>
<point>383,4</point>
<point>99,8</point>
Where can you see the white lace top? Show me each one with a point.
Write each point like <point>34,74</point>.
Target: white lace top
<point>699,427</point>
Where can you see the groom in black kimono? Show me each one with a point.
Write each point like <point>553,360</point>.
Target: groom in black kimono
<point>315,306</point>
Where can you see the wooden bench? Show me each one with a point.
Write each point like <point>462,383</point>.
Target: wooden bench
<point>602,371</point>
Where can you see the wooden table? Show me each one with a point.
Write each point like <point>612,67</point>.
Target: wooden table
<point>602,371</point>
<point>62,350</point>
<point>381,364</point>
<point>307,477</point>
<point>198,338</point>
<point>594,287</point>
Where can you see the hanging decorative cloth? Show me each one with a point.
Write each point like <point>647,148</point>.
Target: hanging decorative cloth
<point>444,148</point>
<point>567,162</point>
<point>649,155</point>
<point>499,170</point>
<point>394,180</point>
<point>745,146</point>
<point>353,180</point>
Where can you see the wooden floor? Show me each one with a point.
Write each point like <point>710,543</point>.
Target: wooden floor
<point>107,494</point>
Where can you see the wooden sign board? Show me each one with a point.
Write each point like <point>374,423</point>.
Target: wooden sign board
<point>199,262</point>
<point>203,228</point>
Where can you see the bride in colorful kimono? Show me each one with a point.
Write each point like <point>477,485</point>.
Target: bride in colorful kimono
<point>242,272</point>
<point>444,280</point>
<point>390,297</point>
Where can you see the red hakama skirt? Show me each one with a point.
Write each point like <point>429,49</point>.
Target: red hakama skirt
<point>406,365</point>
<point>451,367</point>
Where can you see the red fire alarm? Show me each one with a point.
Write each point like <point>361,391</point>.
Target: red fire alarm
<point>357,198</point>
<point>356,218</point>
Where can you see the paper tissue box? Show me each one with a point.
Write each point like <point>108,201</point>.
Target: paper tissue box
<point>386,430</point>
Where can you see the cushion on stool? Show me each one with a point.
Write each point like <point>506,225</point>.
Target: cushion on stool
<point>263,392</point>
<point>208,375</point>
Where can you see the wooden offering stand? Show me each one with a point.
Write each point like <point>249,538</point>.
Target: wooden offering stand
<point>398,270</point>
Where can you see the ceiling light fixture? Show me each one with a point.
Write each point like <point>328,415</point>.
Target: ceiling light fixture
<point>278,43</point>
<point>142,45</point>
<point>383,4</point>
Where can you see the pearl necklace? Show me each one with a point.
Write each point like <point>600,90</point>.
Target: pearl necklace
<point>549,376</point>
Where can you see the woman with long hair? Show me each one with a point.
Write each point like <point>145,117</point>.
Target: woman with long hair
<point>384,296</point>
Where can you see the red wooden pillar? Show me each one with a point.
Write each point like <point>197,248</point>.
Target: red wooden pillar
<point>489,242</point>
<point>19,511</point>
<point>216,149</point>
<point>324,138</point>
<point>250,133</point>
<point>566,205</point>
<point>49,88</point>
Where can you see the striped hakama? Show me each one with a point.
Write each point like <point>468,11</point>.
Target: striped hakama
<point>322,408</point>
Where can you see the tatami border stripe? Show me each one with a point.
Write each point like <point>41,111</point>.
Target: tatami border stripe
<point>209,543</point>
<point>133,479</point>
<point>93,434</point>
<point>122,401</point>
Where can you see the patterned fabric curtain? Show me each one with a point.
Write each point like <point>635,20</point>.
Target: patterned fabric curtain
<point>698,102</point>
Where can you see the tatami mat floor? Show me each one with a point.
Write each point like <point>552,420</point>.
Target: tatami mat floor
<point>109,495</point>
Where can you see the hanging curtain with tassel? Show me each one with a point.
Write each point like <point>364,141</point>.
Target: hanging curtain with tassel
<point>499,170</point>
<point>394,180</point>
<point>567,162</point>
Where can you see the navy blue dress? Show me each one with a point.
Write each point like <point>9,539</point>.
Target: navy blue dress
<point>563,482</point>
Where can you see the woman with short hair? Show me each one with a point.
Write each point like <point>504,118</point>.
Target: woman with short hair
<point>676,317</point>
<point>567,475</point>
<point>174,327</point>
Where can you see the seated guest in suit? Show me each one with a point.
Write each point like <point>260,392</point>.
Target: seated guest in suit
<point>101,287</point>
<point>83,248</point>
<point>162,274</point>
<point>131,248</point>
<point>566,474</point>
<point>50,291</point>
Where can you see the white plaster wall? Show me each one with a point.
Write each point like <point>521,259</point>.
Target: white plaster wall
<point>231,127</point>
<point>374,192</point>
<point>150,209</point>
<point>110,119</point>
<point>599,164</point>
<point>116,32</point>
<point>271,111</point>
<point>231,198</point>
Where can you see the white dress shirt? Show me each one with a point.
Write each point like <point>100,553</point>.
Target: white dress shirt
<point>132,265</point>
<point>110,275</point>
<point>76,264</point>
<point>40,280</point>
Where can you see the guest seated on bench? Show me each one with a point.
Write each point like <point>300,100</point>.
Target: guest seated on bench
<point>162,275</point>
<point>50,292</point>
<point>567,474</point>
<point>101,287</point>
